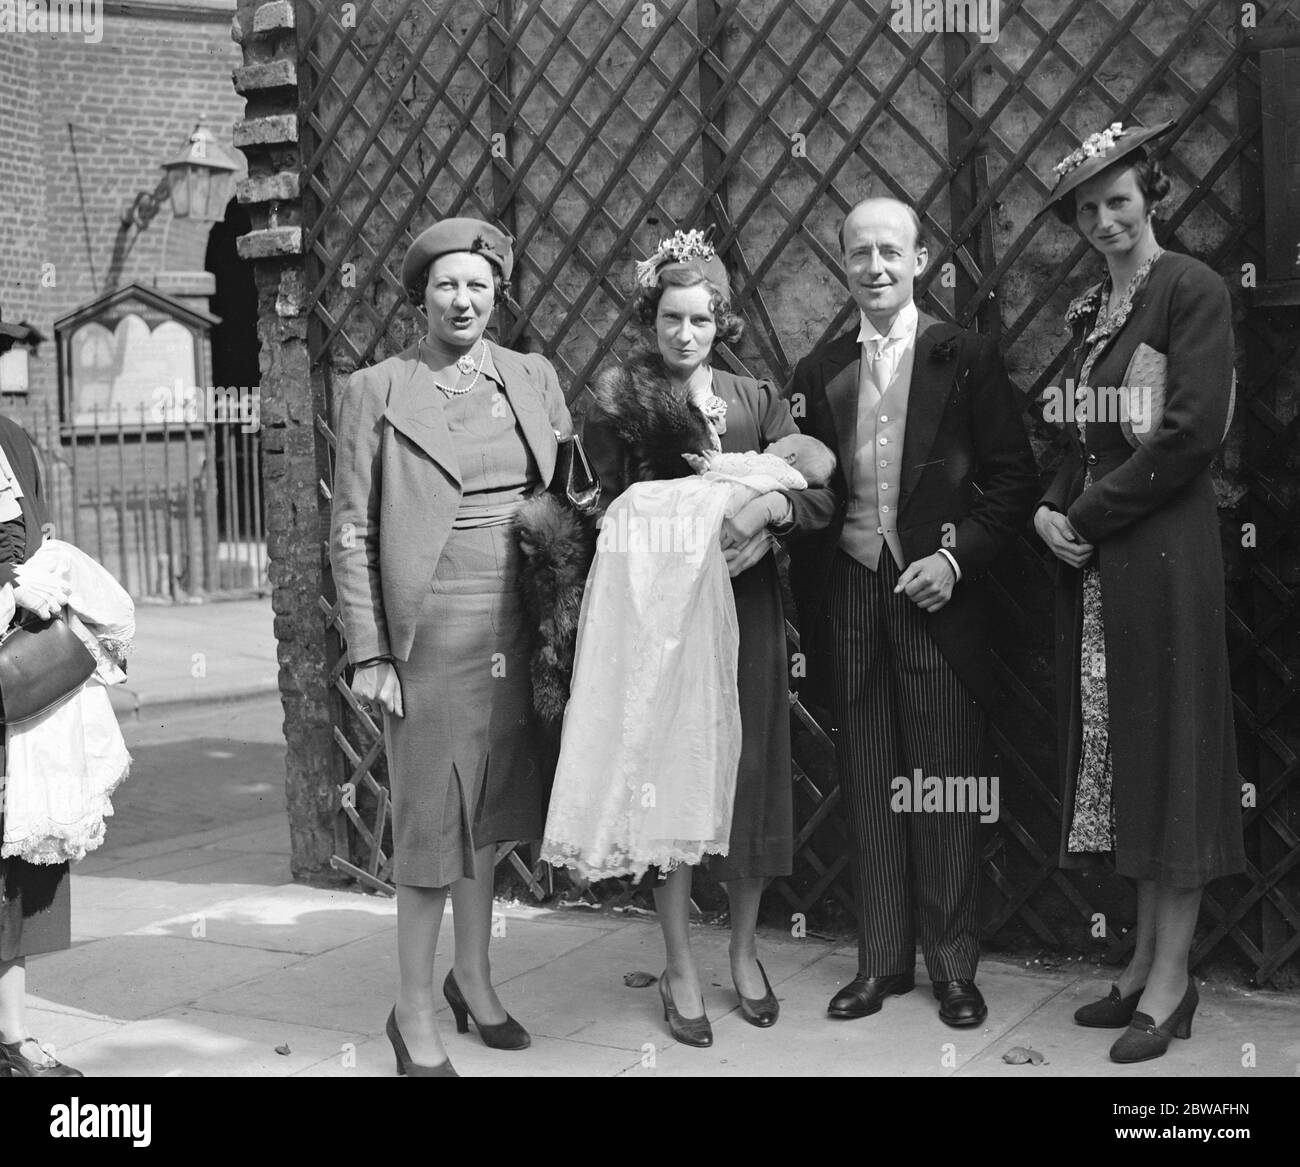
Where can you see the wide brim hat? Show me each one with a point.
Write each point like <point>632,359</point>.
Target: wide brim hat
<point>461,234</point>
<point>1098,152</point>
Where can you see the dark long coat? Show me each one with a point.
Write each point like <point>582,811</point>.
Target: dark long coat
<point>35,901</point>
<point>1151,513</point>
<point>762,831</point>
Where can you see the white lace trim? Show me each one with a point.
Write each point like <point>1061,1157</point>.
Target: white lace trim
<point>618,863</point>
<point>49,842</point>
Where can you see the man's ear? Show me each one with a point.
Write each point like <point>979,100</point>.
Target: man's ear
<point>922,259</point>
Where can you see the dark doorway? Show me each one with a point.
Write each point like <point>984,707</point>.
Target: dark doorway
<point>235,381</point>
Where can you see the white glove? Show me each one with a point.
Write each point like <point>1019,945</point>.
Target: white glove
<point>41,592</point>
<point>8,605</point>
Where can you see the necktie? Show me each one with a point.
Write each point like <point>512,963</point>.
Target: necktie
<point>876,365</point>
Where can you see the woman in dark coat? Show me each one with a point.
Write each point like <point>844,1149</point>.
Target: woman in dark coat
<point>35,904</point>
<point>635,432</point>
<point>438,448</point>
<point>1148,757</point>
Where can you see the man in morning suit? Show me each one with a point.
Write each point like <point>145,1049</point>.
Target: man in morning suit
<point>935,478</point>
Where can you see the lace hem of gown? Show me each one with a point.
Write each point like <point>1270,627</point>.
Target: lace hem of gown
<point>49,842</point>
<point>651,740</point>
<point>618,863</point>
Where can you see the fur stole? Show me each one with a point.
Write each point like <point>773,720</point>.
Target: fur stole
<point>655,419</point>
<point>558,545</point>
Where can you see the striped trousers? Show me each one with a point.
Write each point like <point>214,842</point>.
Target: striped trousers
<point>901,708</point>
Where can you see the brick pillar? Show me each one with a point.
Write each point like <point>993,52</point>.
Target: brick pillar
<point>293,462</point>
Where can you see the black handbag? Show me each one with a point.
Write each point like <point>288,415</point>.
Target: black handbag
<point>42,662</point>
<point>574,480</point>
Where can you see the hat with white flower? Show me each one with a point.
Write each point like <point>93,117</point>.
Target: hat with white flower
<point>1099,151</point>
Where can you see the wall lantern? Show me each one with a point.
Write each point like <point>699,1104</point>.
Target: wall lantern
<point>197,181</point>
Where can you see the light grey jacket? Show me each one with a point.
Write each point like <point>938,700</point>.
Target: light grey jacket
<point>397,486</point>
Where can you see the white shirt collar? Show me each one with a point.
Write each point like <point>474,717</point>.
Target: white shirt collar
<point>903,328</point>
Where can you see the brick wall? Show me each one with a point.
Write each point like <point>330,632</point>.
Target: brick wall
<point>23,225</point>
<point>131,101</point>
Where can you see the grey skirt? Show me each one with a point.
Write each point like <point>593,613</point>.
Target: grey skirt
<point>464,762</point>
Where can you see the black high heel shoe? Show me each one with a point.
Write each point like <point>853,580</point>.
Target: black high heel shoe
<point>1115,1012</point>
<point>508,1035</point>
<point>694,1031</point>
<point>14,1065</point>
<point>1144,1039</point>
<point>404,1064</point>
<point>764,1010</point>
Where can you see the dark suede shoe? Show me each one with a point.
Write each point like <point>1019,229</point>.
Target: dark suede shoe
<point>1115,1012</point>
<point>960,1003</point>
<point>863,995</point>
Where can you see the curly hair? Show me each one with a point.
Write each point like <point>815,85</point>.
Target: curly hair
<point>1151,179</point>
<point>730,327</point>
<point>416,289</point>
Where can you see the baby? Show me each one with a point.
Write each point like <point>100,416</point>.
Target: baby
<point>794,462</point>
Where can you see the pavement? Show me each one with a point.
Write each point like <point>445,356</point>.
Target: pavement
<point>192,654</point>
<point>194,953</point>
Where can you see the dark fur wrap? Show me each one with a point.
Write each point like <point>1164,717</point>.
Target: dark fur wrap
<point>654,418</point>
<point>658,424</point>
<point>557,545</point>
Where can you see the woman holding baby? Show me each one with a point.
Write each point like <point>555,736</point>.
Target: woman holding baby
<point>663,403</point>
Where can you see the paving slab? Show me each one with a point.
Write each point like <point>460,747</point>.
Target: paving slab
<point>131,977</point>
<point>363,974</point>
<point>546,1058</point>
<point>290,918</point>
<point>112,905</point>
<point>231,837</point>
<point>194,653</point>
<point>905,1039</point>
<point>60,1028</point>
<point>581,995</point>
<point>1229,1032</point>
<point>191,1042</point>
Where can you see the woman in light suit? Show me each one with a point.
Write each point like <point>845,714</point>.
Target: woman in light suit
<point>438,446</point>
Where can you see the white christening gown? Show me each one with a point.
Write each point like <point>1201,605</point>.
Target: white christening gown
<point>651,737</point>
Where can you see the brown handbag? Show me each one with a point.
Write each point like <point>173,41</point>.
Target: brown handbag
<point>42,662</point>
<point>574,480</point>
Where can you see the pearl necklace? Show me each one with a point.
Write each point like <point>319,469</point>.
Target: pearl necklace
<point>465,363</point>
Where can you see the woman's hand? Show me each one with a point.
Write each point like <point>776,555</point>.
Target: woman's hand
<point>378,684</point>
<point>756,515</point>
<point>42,593</point>
<point>745,537</point>
<point>1062,540</point>
<point>741,557</point>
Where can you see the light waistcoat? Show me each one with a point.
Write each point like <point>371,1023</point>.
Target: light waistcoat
<point>871,522</point>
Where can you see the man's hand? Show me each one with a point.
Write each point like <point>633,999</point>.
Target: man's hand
<point>40,592</point>
<point>378,684</point>
<point>928,582</point>
<point>1062,540</point>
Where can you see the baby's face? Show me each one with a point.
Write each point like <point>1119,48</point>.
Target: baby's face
<point>807,455</point>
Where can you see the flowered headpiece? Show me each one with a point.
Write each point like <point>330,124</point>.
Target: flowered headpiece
<point>684,249</point>
<point>1090,147</point>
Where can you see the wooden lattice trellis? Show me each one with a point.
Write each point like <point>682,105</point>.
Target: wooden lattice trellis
<point>590,129</point>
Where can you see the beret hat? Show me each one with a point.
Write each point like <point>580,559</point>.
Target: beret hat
<point>1097,152</point>
<point>450,235</point>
